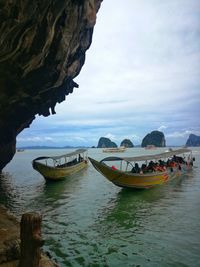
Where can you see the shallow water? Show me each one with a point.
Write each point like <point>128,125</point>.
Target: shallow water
<point>87,221</point>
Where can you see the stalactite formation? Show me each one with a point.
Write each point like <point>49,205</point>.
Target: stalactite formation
<point>42,49</point>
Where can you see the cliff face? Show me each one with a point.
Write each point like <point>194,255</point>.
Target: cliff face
<point>193,140</point>
<point>155,138</point>
<point>42,48</point>
<point>127,143</point>
<point>105,142</point>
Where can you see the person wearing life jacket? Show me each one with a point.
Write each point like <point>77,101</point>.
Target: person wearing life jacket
<point>114,168</point>
<point>155,167</point>
<point>172,164</point>
<point>161,168</point>
<point>150,167</point>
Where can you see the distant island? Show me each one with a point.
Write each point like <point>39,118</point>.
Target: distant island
<point>127,143</point>
<point>155,138</point>
<point>105,142</point>
<point>193,140</point>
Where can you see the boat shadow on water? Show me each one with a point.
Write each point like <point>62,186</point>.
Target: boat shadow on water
<point>56,189</point>
<point>131,208</point>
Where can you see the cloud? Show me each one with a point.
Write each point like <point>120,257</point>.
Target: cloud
<point>142,72</point>
<point>182,134</point>
<point>110,136</point>
<point>34,139</point>
<point>162,128</point>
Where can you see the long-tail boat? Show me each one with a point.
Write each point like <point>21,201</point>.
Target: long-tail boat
<point>125,175</point>
<point>114,149</point>
<point>59,167</point>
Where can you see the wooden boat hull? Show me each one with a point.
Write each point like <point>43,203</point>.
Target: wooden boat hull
<point>114,150</point>
<point>133,180</point>
<point>56,173</point>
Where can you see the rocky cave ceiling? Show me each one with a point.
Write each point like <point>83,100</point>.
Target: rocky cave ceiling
<point>42,49</point>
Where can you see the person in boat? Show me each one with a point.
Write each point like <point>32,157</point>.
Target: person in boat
<point>189,161</point>
<point>181,160</point>
<point>114,168</point>
<point>144,168</point>
<point>162,163</point>
<point>136,168</point>
<point>178,159</point>
<point>174,158</point>
<point>159,168</point>
<point>156,167</point>
<point>150,167</point>
<point>133,170</point>
<point>80,158</point>
<point>171,163</point>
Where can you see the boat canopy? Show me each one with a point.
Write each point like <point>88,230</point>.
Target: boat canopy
<point>149,157</point>
<point>76,152</point>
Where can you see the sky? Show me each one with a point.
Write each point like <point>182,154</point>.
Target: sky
<point>142,73</point>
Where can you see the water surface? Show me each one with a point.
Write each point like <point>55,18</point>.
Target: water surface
<point>88,221</point>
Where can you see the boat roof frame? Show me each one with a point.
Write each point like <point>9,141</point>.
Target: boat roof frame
<point>149,157</point>
<point>68,155</point>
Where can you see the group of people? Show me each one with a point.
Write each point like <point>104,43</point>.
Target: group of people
<point>159,166</point>
<point>151,167</point>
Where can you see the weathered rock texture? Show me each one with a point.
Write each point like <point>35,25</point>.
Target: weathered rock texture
<point>9,237</point>
<point>155,138</point>
<point>10,242</point>
<point>127,143</point>
<point>193,140</point>
<point>105,142</point>
<point>42,48</point>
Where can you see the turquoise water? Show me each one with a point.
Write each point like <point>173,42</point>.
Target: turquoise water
<point>87,221</point>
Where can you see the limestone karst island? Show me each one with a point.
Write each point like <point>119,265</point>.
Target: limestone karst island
<point>99,133</point>
<point>42,50</point>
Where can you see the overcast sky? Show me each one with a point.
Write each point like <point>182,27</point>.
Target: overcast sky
<point>142,73</point>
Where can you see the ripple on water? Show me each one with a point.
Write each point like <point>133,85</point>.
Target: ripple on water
<point>87,221</point>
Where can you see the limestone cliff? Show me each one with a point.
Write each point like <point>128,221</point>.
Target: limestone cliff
<point>193,140</point>
<point>42,49</point>
<point>105,142</point>
<point>127,143</point>
<point>155,138</point>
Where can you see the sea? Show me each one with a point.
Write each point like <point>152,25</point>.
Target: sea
<point>88,221</point>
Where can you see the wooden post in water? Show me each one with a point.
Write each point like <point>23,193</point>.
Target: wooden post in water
<point>31,241</point>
